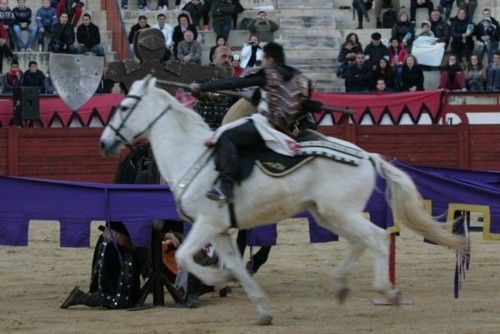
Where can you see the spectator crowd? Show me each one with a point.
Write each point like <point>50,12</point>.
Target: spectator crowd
<point>465,52</point>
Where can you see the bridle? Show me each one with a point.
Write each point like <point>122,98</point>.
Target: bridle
<point>117,130</point>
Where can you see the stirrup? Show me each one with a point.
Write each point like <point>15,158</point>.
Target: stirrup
<point>216,194</point>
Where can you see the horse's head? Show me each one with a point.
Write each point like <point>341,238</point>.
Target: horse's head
<point>133,118</point>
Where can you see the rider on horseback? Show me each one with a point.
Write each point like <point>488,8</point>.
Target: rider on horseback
<point>285,93</point>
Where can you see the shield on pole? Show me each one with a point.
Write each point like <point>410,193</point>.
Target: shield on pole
<point>75,77</point>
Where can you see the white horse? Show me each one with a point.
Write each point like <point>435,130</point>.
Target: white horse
<point>334,193</point>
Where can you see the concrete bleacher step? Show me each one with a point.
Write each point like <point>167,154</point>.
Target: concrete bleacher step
<point>314,65</point>
<point>298,4</point>
<point>306,19</point>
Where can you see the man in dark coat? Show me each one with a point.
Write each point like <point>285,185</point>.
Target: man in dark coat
<point>358,75</point>
<point>195,10</point>
<point>142,23</point>
<point>440,28</point>
<point>88,37</point>
<point>62,36</point>
<point>376,50</point>
<point>33,77</point>
<point>462,31</point>
<point>488,33</point>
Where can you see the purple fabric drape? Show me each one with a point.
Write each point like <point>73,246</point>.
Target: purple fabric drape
<point>75,204</point>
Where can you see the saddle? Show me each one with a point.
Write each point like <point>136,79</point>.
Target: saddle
<point>312,145</point>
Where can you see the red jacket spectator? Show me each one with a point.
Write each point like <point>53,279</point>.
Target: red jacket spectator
<point>452,76</point>
<point>397,52</point>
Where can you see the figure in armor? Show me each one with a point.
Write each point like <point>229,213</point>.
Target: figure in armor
<point>212,106</point>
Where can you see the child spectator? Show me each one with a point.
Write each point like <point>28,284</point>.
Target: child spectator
<point>22,15</point>
<point>89,37</point>
<point>475,75</point>
<point>33,77</point>
<point>381,86</point>
<point>452,77</point>
<point>13,78</point>
<point>45,19</point>
<point>412,76</point>
<point>426,47</point>
<point>238,71</point>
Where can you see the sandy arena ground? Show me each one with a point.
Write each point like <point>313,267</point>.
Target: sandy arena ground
<point>36,279</point>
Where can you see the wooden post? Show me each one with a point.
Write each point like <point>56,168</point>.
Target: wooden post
<point>392,260</point>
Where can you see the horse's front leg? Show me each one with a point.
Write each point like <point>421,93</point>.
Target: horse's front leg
<point>201,234</point>
<point>232,260</point>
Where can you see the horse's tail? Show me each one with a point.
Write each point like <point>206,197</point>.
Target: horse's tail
<point>406,203</point>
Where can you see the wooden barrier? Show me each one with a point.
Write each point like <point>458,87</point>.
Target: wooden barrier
<point>58,154</point>
<point>73,153</point>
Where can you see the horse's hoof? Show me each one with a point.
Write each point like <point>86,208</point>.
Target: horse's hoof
<point>342,294</point>
<point>394,296</point>
<point>265,319</point>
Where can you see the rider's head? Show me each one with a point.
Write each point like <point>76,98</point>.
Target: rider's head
<point>273,54</point>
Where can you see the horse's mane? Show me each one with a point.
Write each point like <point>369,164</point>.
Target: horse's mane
<point>188,118</point>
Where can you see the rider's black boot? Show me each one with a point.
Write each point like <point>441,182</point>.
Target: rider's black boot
<point>222,191</point>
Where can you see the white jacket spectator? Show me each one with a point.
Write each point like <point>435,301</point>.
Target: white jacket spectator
<point>165,28</point>
<point>251,53</point>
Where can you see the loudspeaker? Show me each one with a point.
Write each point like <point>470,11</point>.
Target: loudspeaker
<point>26,103</point>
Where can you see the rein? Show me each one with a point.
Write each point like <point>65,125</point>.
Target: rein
<point>140,133</point>
<point>186,180</point>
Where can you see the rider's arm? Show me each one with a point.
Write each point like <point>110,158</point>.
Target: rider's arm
<point>257,79</point>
